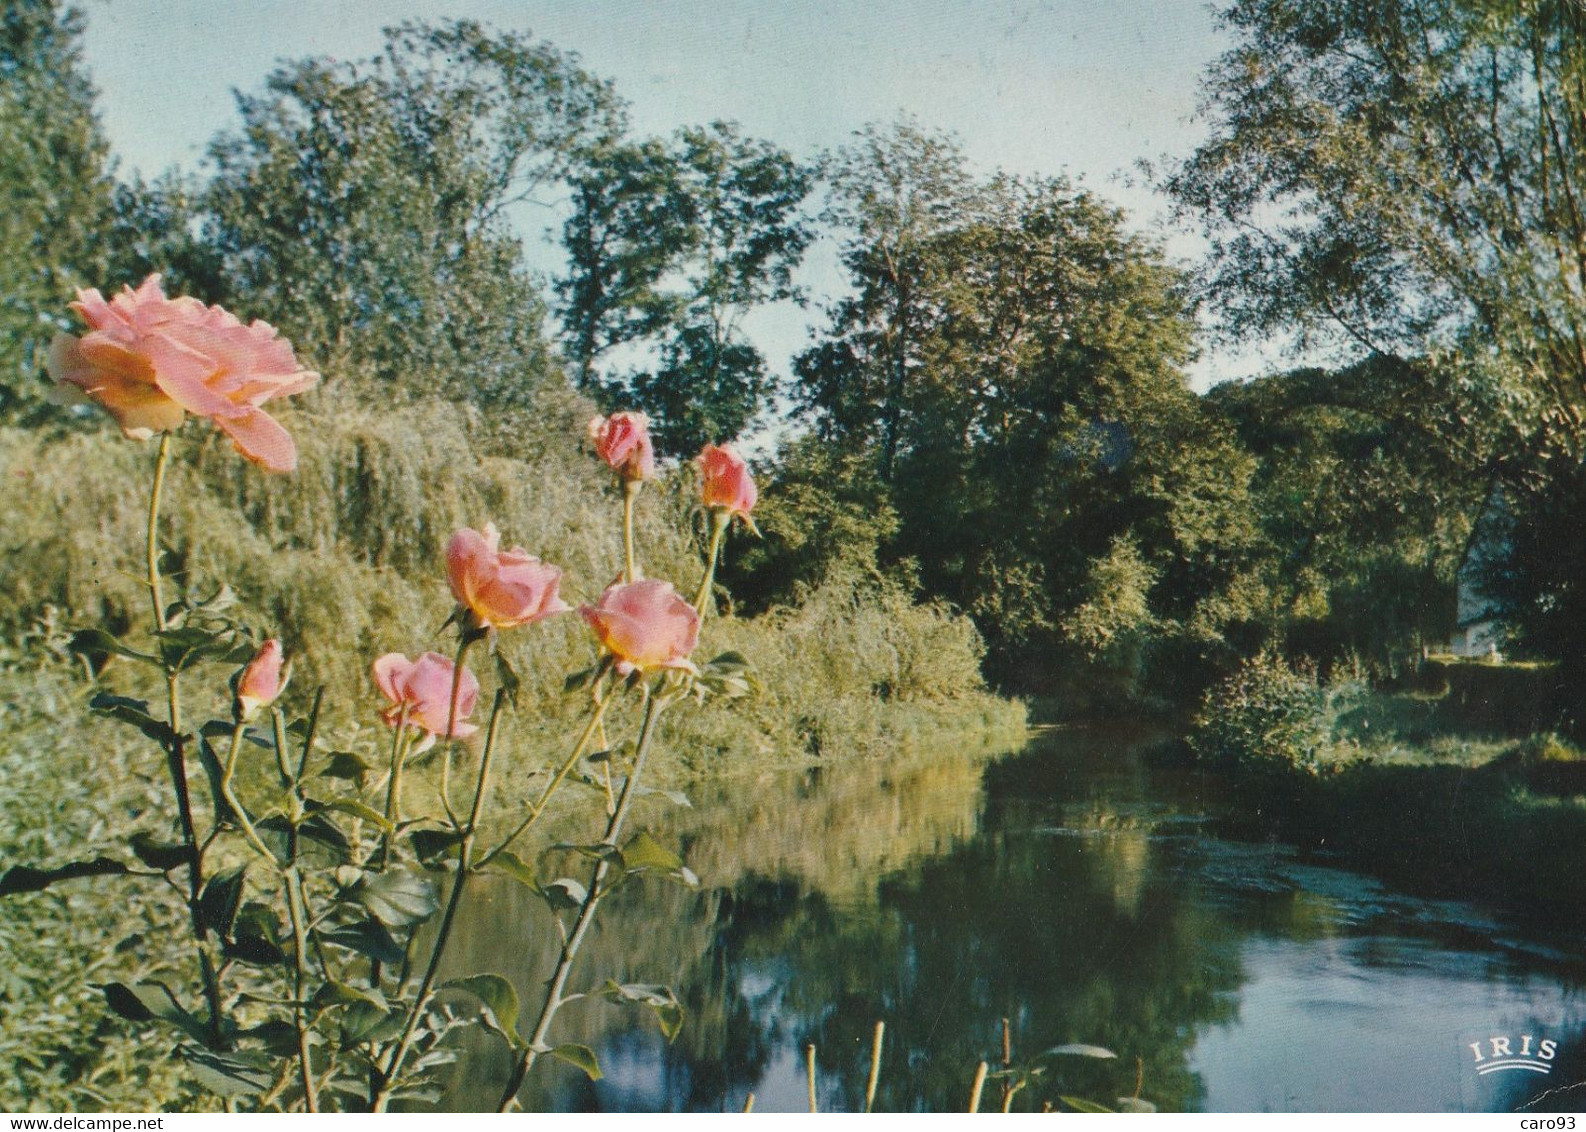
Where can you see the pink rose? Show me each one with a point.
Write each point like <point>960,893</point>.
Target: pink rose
<point>424,688</point>
<point>645,625</point>
<point>260,683</point>
<point>150,360</point>
<point>623,441</point>
<point>503,588</point>
<point>727,482</point>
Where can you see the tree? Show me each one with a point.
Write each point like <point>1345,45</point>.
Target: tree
<point>893,193</point>
<point>366,205</point>
<point>54,187</point>
<point>669,248</point>
<point>1407,178</point>
<point>1352,563</point>
<point>1011,363</point>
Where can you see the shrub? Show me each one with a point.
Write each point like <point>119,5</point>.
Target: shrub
<point>1267,715</point>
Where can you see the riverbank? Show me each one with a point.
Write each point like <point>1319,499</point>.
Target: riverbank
<point>1438,788</point>
<point>78,786</point>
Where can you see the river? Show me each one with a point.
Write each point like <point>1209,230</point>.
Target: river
<point>1069,887</point>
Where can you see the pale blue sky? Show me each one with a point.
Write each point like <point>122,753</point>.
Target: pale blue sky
<point>1084,87</point>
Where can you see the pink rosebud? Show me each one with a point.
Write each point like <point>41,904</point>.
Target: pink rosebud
<point>424,688</point>
<point>623,441</point>
<point>150,360</point>
<point>727,482</point>
<point>503,588</point>
<point>260,683</point>
<point>645,625</point>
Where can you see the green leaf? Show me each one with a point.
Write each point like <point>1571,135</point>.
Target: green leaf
<point>430,844</point>
<point>367,938</point>
<point>97,642</point>
<point>183,647</point>
<point>278,1036</point>
<point>1135,1104</point>
<point>599,851</point>
<point>658,999</point>
<point>151,1002</point>
<point>397,899</point>
<point>508,863</point>
<point>501,1000</point>
<point>160,855</point>
<point>348,766</point>
<point>237,1073</point>
<point>333,993</point>
<point>353,809</point>
<point>320,843</point>
<point>220,900</point>
<point>215,774</point>
<point>644,852</point>
<point>1076,1049</point>
<point>564,893</point>
<point>25,878</point>
<point>364,1022</point>
<point>581,1056</point>
<point>1080,1104</point>
<point>135,713</point>
<point>257,933</point>
<point>731,661</point>
<point>254,949</point>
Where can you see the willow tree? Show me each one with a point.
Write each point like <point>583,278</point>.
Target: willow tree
<point>1408,177</point>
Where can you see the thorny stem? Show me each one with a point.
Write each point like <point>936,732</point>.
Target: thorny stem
<point>175,748</point>
<point>421,1000</point>
<point>720,517</point>
<point>654,705</point>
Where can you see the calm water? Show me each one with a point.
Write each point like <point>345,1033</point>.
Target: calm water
<point>1067,887</point>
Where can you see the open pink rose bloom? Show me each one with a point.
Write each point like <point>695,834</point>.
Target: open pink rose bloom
<point>503,588</point>
<point>727,482</point>
<point>622,440</point>
<point>424,687</point>
<point>150,360</point>
<point>260,683</point>
<point>645,625</point>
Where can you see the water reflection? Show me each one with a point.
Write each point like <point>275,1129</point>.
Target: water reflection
<point>1068,888</point>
